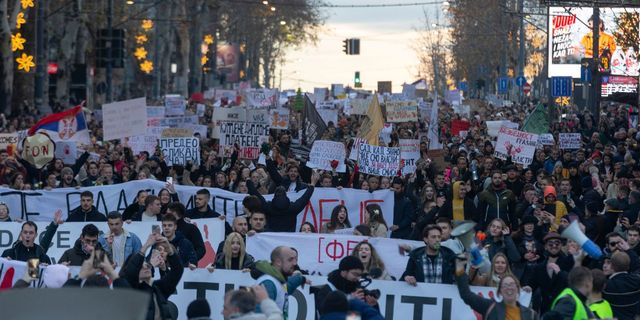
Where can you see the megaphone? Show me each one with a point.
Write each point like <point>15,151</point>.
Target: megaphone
<point>574,233</point>
<point>465,233</point>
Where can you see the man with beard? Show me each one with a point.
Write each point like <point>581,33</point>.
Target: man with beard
<point>496,201</point>
<point>514,183</point>
<point>26,248</point>
<point>402,211</point>
<point>86,212</point>
<point>278,276</point>
<point>550,275</point>
<point>281,212</point>
<point>345,279</point>
<point>432,263</point>
<point>291,182</point>
<point>202,209</point>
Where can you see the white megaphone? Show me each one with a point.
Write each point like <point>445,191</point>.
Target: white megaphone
<point>574,233</point>
<point>465,233</point>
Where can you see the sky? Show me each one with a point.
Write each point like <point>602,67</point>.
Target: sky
<point>387,36</point>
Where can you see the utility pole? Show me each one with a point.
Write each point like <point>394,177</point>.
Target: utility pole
<point>596,80</point>
<point>40,57</point>
<point>109,43</point>
<point>521,55</point>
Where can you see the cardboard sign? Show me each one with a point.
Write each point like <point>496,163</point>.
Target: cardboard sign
<point>402,111</point>
<point>279,118</point>
<point>66,151</point>
<point>248,136</point>
<point>229,114</point>
<point>379,161</point>
<point>38,150</point>
<point>359,106</point>
<point>570,140</point>
<point>7,139</point>
<point>409,153</point>
<point>325,104</point>
<point>520,145</point>
<point>546,139</point>
<point>124,119</point>
<point>325,154</point>
<point>328,115</point>
<point>261,98</point>
<point>177,151</point>
<point>174,104</point>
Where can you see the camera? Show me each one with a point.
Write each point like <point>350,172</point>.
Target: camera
<point>364,282</point>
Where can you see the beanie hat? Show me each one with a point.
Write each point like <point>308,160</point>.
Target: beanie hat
<point>549,190</point>
<point>198,308</point>
<point>349,263</point>
<point>529,219</point>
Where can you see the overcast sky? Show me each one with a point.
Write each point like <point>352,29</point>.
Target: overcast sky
<point>386,54</point>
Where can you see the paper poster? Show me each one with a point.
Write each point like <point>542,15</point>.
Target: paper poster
<point>279,118</point>
<point>494,126</point>
<point>124,119</point>
<point>570,140</point>
<point>325,155</point>
<point>409,153</point>
<point>402,111</point>
<point>175,105</point>
<point>520,145</point>
<point>67,151</point>
<point>177,151</point>
<point>248,136</point>
<point>379,161</point>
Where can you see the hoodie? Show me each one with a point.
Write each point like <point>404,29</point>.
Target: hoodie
<point>557,208</point>
<point>282,214</point>
<point>185,249</point>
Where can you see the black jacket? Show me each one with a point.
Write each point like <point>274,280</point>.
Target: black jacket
<point>623,293</point>
<point>192,234</point>
<point>550,287</point>
<point>132,211</point>
<point>161,289</point>
<point>283,181</point>
<point>184,249</point>
<point>193,213</point>
<point>415,264</point>
<point>76,256</point>
<point>281,213</point>
<point>402,217</point>
<point>19,252</point>
<point>77,215</point>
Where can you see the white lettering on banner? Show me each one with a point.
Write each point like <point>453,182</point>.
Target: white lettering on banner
<point>409,153</point>
<point>402,111</point>
<point>212,231</point>
<point>570,140</point>
<point>321,253</point>
<point>323,153</point>
<point>248,136</point>
<point>380,161</point>
<point>177,151</point>
<point>398,301</point>
<point>124,118</point>
<point>39,205</point>
<point>520,145</point>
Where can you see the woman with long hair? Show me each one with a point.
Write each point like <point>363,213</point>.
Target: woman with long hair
<point>307,227</point>
<point>375,220</point>
<point>234,255</point>
<point>339,220</point>
<point>369,257</point>
<point>499,269</point>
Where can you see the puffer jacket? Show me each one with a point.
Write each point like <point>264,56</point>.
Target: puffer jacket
<point>497,204</point>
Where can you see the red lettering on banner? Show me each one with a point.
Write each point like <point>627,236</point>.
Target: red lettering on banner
<point>363,206</point>
<point>308,208</point>
<point>335,249</point>
<point>320,204</point>
<point>350,247</point>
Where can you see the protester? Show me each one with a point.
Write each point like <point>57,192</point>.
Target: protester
<point>339,220</point>
<point>86,212</point>
<point>26,248</point>
<point>572,301</point>
<point>282,213</point>
<point>599,306</point>
<point>189,230</point>
<point>432,263</point>
<point>621,289</point>
<point>183,247</point>
<point>151,210</point>
<point>241,305</point>
<point>373,265</point>
<point>234,255</point>
<point>83,247</point>
<point>375,220</point>
<point>119,243</point>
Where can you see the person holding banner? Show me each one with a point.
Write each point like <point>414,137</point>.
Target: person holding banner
<point>375,220</point>
<point>119,243</point>
<point>26,248</point>
<point>432,263</point>
<point>339,220</point>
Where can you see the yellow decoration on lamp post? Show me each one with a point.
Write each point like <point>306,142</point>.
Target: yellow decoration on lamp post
<point>27,4</point>
<point>141,39</point>
<point>25,62</point>
<point>147,25</point>
<point>141,53</point>
<point>17,42</point>
<point>146,66</point>
<point>20,20</point>
<point>204,60</point>
<point>208,39</point>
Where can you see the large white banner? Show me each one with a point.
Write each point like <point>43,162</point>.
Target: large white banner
<point>212,231</point>
<point>398,301</point>
<point>520,145</point>
<point>321,253</point>
<point>40,205</point>
<point>124,119</point>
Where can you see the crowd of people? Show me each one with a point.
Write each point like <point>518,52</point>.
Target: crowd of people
<point>520,212</point>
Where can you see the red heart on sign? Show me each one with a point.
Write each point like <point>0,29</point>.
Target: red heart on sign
<point>334,164</point>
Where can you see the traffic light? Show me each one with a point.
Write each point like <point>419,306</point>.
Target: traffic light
<point>356,80</point>
<point>346,46</point>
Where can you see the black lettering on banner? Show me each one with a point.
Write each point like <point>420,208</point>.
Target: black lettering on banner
<point>226,208</point>
<point>25,212</point>
<point>201,288</point>
<point>122,198</point>
<point>389,305</point>
<point>62,239</point>
<point>418,302</point>
<point>446,308</point>
<point>190,204</point>
<point>6,238</point>
<point>103,201</point>
<point>69,209</point>
<point>302,306</point>
<point>228,287</point>
<point>10,193</point>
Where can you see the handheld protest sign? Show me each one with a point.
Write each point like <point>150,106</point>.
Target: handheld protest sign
<point>38,150</point>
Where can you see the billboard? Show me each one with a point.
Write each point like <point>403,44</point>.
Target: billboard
<point>571,39</point>
<point>614,84</point>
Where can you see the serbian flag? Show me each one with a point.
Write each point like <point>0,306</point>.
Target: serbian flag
<point>69,125</point>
